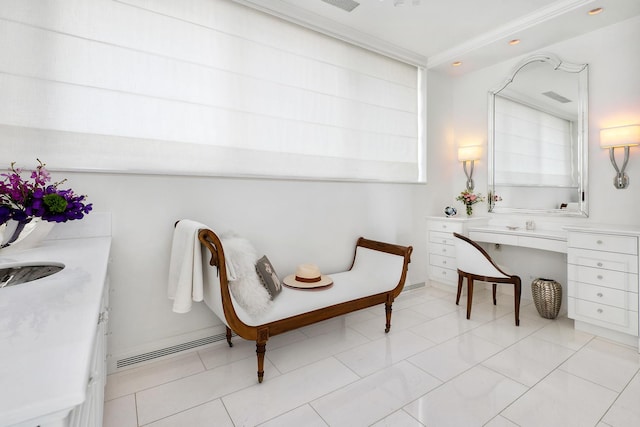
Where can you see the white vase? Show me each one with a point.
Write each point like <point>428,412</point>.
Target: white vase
<point>19,235</point>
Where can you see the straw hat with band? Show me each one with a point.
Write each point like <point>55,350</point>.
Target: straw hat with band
<point>307,276</point>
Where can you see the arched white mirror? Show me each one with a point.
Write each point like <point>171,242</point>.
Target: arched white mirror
<point>538,139</point>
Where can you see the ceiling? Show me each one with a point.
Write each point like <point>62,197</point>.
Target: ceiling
<point>437,33</point>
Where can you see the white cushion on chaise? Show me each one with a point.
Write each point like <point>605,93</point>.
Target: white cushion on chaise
<point>373,272</point>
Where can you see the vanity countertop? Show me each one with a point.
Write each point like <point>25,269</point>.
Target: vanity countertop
<point>48,327</point>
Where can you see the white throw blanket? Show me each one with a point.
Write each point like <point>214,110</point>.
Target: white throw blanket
<point>246,287</point>
<point>185,266</point>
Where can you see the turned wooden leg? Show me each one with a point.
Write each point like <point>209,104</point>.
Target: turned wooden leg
<point>494,293</point>
<point>469,295</point>
<point>261,347</point>
<point>229,337</point>
<point>260,350</point>
<point>387,309</point>
<point>517,291</point>
<point>460,279</point>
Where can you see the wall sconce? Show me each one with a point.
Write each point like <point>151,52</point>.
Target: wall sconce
<point>621,136</point>
<point>469,154</point>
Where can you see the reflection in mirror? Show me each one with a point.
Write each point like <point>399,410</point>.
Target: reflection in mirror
<point>538,139</point>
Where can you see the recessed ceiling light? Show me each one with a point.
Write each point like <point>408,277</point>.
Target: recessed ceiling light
<point>514,42</point>
<point>457,63</point>
<point>595,11</point>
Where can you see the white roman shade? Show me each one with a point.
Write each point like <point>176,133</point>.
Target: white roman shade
<point>532,148</point>
<point>207,87</point>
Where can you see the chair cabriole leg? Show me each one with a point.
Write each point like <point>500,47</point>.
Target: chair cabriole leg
<point>495,285</point>
<point>460,279</point>
<point>518,291</point>
<point>469,295</point>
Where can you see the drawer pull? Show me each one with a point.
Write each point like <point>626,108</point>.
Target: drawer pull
<point>599,242</point>
<point>444,262</point>
<point>599,264</point>
<point>443,273</point>
<point>599,294</point>
<point>444,226</point>
<point>600,310</point>
<point>444,250</point>
<point>444,241</point>
<point>599,277</point>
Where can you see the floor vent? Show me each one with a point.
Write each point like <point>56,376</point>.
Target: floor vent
<point>170,350</point>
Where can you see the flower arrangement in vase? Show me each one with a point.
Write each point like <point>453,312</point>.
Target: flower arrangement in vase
<point>468,198</point>
<point>23,201</point>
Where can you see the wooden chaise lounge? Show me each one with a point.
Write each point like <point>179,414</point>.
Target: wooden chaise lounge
<point>376,276</point>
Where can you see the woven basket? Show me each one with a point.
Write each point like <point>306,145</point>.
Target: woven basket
<point>547,296</point>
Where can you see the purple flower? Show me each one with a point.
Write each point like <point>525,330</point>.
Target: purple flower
<point>5,214</point>
<point>21,199</point>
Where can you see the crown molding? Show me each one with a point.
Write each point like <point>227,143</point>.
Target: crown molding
<point>538,17</point>
<point>331,28</point>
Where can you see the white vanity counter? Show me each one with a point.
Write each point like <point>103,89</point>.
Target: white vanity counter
<point>48,330</point>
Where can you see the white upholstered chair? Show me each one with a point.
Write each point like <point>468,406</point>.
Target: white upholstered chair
<point>474,263</point>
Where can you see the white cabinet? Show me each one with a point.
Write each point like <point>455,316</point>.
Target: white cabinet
<point>441,249</point>
<point>89,414</point>
<point>603,281</point>
<point>57,364</point>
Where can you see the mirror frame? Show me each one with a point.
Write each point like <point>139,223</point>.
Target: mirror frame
<point>582,71</point>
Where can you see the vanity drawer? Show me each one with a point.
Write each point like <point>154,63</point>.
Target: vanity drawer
<point>604,315</point>
<point>552,245</point>
<point>441,274</point>
<point>504,239</point>
<point>605,260</point>
<point>601,277</point>
<point>604,242</point>
<point>444,250</point>
<point>441,238</point>
<point>445,226</point>
<point>604,295</point>
<point>442,261</point>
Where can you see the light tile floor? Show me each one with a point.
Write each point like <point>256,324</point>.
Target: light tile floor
<point>435,368</point>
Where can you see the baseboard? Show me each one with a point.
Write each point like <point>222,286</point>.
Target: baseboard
<point>442,286</point>
<point>618,337</point>
<point>414,286</point>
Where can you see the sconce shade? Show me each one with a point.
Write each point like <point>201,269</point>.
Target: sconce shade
<point>472,152</point>
<point>621,136</point>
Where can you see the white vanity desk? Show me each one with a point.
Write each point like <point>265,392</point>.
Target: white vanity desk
<point>602,272</point>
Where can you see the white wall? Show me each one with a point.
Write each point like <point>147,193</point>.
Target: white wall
<point>290,221</point>
<point>614,99</point>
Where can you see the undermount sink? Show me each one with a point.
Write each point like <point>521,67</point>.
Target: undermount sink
<point>23,273</point>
